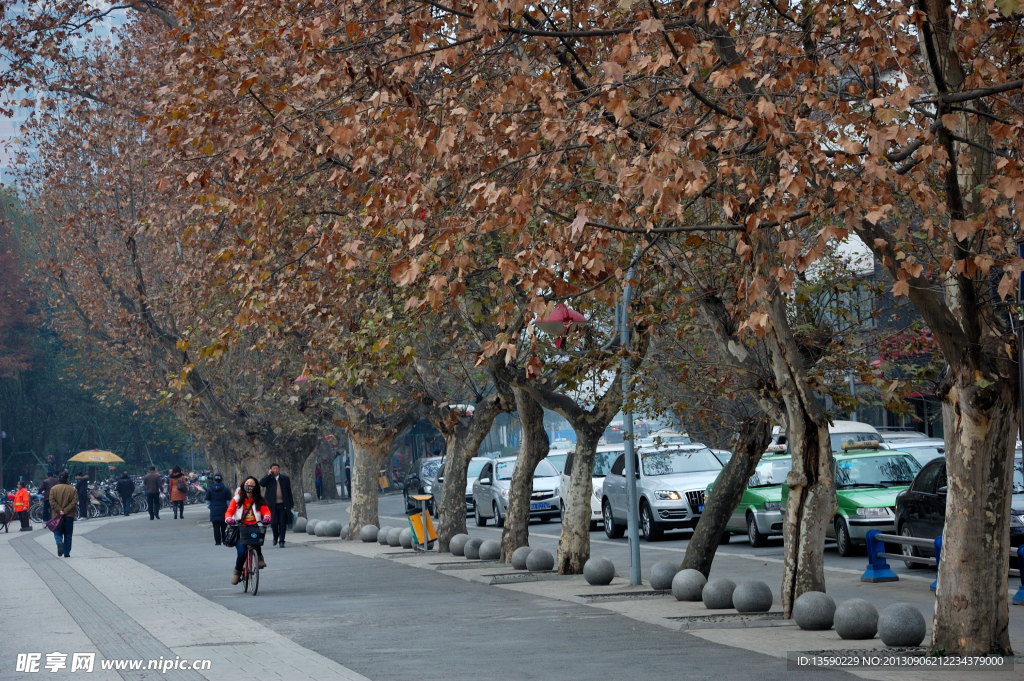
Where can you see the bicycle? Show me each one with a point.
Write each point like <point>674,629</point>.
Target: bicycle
<point>251,536</point>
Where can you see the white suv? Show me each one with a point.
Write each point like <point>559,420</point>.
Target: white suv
<point>603,460</point>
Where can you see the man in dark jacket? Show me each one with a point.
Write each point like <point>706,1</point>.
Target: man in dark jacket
<point>151,485</point>
<point>125,490</point>
<point>64,499</point>
<point>44,492</point>
<point>82,488</point>
<point>277,490</point>
<point>218,495</point>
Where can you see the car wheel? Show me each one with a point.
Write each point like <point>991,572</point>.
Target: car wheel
<point>480,520</point>
<point>610,528</point>
<point>908,550</point>
<point>844,546</point>
<point>498,520</point>
<point>754,535</point>
<point>593,525</point>
<point>561,511</point>
<point>545,519</point>
<point>647,523</point>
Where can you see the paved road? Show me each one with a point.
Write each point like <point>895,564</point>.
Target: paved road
<point>389,621</point>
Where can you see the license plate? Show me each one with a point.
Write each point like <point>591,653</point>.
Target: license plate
<point>540,506</point>
<point>700,508</point>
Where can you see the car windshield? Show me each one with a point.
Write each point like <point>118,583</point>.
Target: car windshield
<point>770,473</point>
<point>429,469</point>
<point>474,469</point>
<point>603,463</point>
<point>558,461</point>
<point>1018,476</point>
<point>544,470</point>
<point>838,439</point>
<point>680,461</point>
<point>876,471</point>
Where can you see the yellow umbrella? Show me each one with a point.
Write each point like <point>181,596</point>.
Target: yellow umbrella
<point>96,456</point>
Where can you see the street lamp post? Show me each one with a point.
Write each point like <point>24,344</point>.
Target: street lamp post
<point>632,524</point>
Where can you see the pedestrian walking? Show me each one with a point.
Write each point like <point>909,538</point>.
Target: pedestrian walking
<point>218,495</point>
<point>21,506</point>
<point>82,488</point>
<point>125,490</point>
<point>151,485</point>
<point>279,495</point>
<point>64,499</point>
<point>177,488</point>
<point>247,507</point>
<point>319,481</point>
<point>44,493</point>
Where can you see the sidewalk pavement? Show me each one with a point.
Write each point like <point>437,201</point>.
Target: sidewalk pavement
<point>774,636</point>
<point>101,602</point>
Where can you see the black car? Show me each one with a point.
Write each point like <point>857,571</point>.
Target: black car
<point>921,509</point>
<point>421,480</point>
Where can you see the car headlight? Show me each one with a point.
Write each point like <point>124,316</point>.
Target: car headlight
<point>666,495</point>
<point>597,492</point>
<point>879,512</point>
<point>504,494</point>
<point>1017,521</point>
<point>773,505</point>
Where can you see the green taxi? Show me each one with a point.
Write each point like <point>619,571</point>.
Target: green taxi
<point>867,482</point>
<point>759,513</point>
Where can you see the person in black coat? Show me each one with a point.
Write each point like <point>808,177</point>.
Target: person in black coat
<point>82,488</point>
<point>125,490</point>
<point>277,490</point>
<point>218,495</point>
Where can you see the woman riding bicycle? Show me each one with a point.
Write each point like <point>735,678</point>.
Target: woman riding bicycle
<point>247,507</point>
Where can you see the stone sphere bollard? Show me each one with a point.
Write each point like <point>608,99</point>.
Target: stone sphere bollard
<point>901,625</point>
<point>321,528</point>
<point>395,537</point>
<point>333,529</point>
<point>519,557</point>
<point>457,544</point>
<point>662,573</point>
<point>752,596</point>
<point>490,550</point>
<point>599,571</point>
<point>540,560</point>
<point>471,549</point>
<point>717,594</point>
<point>382,535</point>
<point>814,611</point>
<point>405,538</point>
<point>308,497</point>
<point>368,533</point>
<point>344,531</point>
<point>856,619</point>
<point>300,525</point>
<point>311,525</point>
<point>688,585</point>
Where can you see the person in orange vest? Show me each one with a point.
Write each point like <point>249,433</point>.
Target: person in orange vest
<point>21,506</point>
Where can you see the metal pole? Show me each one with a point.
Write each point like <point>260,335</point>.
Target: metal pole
<point>853,393</point>
<point>632,525</point>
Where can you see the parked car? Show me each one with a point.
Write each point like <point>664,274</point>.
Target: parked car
<point>923,449</point>
<point>557,459</point>
<point>491,490</point>
<point>867,482</point>
<point>422,480</point>
<point>723,455</point>
<point>921,509</point>
<point>759,512</point>
<point>473,469</point>
<point>671,488</point>
<point>901,434</point>
<point>603,460</point>
<point>664,437</point>
<point>840,432</point>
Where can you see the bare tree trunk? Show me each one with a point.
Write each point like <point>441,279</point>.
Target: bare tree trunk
<point>753,439</point>
<point>574,547</point>
<point>534,448</point>
<point>365,469</point>
<point>971,613</point>
<point>812,491</point>
<point>327,478</point>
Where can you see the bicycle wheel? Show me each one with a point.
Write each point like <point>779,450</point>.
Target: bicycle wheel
<point>255,578</point>
<point>245,569</point>
<point>35,513</point>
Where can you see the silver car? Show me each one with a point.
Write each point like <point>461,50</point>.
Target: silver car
<point>922,449</point>
<point>476,464</point>
<point>671,487</point>
<point>491,489</point>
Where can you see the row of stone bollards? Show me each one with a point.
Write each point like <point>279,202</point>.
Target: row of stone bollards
<point>320,528</point>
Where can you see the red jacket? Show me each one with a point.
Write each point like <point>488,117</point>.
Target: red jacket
<point>21,502</point>
<point>240,511</point>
